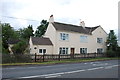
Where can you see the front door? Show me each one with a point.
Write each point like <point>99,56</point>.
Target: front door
<point>72,50</point>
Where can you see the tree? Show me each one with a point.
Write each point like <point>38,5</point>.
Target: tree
<point>41,29</point>
<point>20,47</point>
<point>25,33</point>
<point>7,33</point>
<point>28,32</point>
<point>112,44</point>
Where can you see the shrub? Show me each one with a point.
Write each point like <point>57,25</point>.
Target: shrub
<point>10,58</point>
<point>111,53</point>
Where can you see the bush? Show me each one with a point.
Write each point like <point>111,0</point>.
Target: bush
<point>118,52</point>
<point>10,58</point>
<point>111,53</point>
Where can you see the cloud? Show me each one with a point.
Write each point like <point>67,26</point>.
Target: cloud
<point>93,12</point>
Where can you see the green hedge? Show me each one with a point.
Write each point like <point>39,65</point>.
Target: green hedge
<point>8,58</point>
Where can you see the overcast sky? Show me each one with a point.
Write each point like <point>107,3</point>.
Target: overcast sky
<point>93,12</point>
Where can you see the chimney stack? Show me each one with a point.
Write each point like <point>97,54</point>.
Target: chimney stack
<point>82,23</point>
<point>51,19</point>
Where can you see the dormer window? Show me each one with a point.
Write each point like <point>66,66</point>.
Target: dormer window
<point>64,36</point>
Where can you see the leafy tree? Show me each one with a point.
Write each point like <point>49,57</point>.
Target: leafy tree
<point>112,44</point>
<point>26,32</point>
<point>7,33</point>
<point>41,29</point>
<point>24,35</point>
<point>19,48</point>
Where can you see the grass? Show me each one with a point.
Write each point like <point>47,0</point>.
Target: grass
<point>62,61</point>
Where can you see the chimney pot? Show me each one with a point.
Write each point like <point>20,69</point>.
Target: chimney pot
<point>51,19</point>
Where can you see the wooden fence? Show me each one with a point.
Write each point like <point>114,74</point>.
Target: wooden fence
<point>11,58</point>
<point>51,57</point>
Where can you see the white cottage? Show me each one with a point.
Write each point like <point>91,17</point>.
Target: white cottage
<point>69,39</point>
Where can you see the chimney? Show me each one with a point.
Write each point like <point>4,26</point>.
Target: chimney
<point>51,19</point>
<point>82,24</point>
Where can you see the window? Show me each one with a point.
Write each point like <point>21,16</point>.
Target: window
<point>83,39</point>
<point>42,50</point>
<point>99,50</point>
<point>63,50</point>
<point>64,36</point>
<point>83,50</point>
<point>99,40</point>
<point>35,47</point>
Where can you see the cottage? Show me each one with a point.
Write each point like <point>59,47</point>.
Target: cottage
<point>40,45</point>
<point>62,38</point>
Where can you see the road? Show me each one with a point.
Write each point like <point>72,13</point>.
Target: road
<point>97,69</point>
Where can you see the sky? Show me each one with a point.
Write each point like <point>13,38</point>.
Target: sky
<point>21,13</point>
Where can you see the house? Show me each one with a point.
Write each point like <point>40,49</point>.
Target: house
<point>62,38</point>
<point>40,45</point>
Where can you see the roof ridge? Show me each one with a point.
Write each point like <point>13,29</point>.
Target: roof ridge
<point>73,28</point>
<point>67,24</point>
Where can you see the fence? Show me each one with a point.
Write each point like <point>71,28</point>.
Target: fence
<point>51,57</point>
<point>10,58</point>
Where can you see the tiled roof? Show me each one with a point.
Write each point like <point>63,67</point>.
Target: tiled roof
<point>73,28</point>
<point>41,41</point>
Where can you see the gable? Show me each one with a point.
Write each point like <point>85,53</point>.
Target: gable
<point>99,30</point>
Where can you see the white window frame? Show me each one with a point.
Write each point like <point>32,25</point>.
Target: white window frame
<point>99,40</point>
<point>99,50</point>
<point>42,52</point>
<point>64,36</point>
<point>63,50</point>
<point>83,50</point>
<point>83,39</point>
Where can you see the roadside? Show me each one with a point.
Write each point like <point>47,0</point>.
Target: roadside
<point>60,62</point>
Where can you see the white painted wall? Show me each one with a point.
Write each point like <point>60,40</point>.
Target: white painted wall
<point>51,34</point>
<point>74,41</point>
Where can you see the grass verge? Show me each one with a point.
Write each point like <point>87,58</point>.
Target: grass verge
<point>62,61</point>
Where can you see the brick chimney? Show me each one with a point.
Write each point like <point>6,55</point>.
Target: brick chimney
<point>51,19</point>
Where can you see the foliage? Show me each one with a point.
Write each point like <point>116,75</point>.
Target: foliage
<point>112,44</point>
<point>111,53</point>
<point>41,29</point>
<point>112,41</point>
<point>7,33</point>
<point>19,48</point>
<point>118,51</point>
<point>25,33</point>
<point>10,58</point>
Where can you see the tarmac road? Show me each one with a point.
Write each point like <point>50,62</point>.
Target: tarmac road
<point>97,69</point>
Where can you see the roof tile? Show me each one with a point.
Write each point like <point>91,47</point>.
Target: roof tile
<point>41,41</point>
<point>73,28</point>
